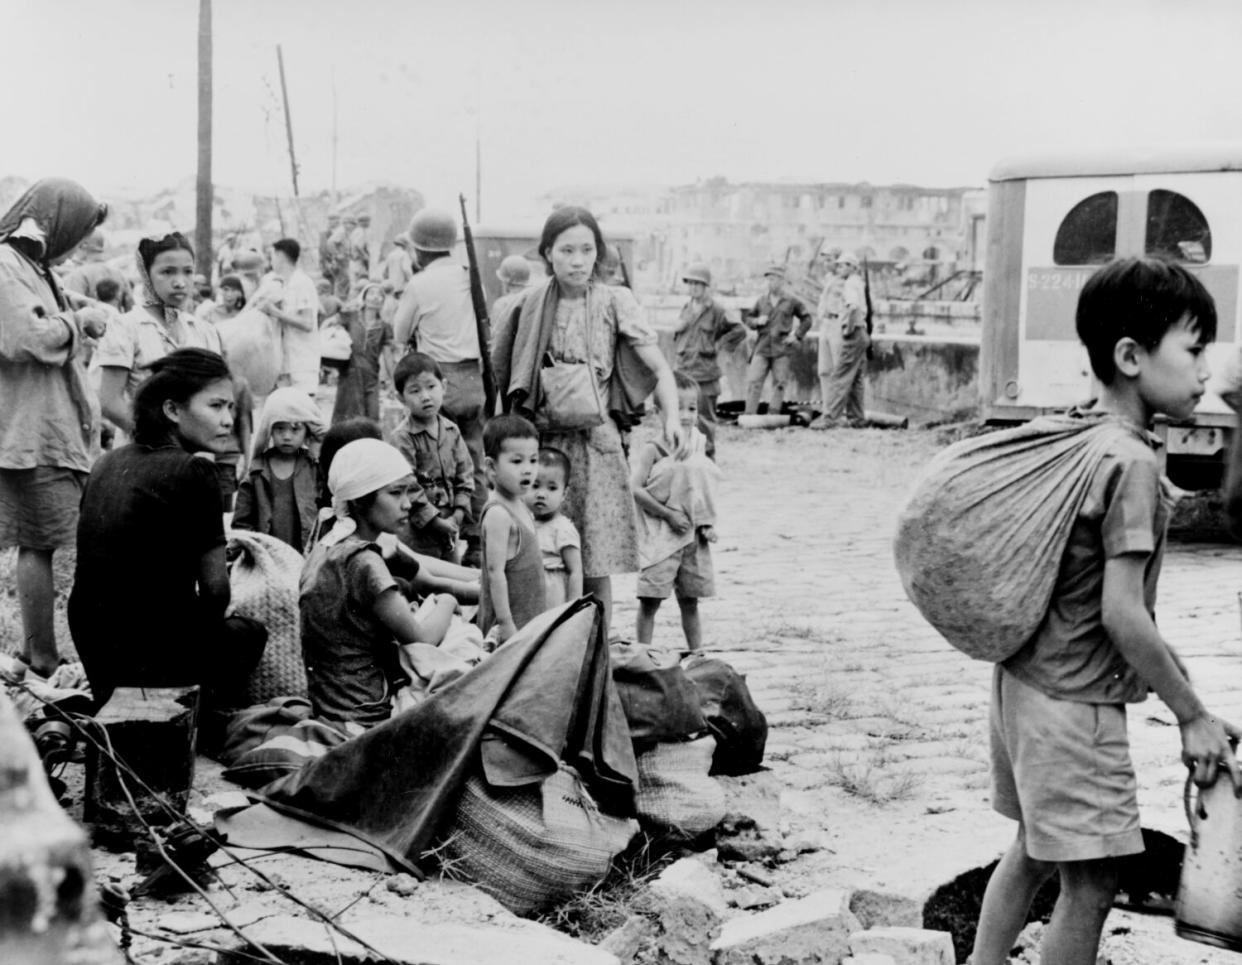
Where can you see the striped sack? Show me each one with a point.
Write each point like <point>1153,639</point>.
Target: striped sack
<point>263,581</point>
<point>675,796</point>
<point>532,846</point>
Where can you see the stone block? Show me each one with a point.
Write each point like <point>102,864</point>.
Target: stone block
<point>869,958</point>
<point>152,730</point>
<point>410,942</point>
<point>906,946</point>
<point>689,905</point>
<point>629,939</point>
<point>880,909</point>
<point>814,929</point>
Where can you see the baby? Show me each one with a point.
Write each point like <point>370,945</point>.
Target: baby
<point>559,543</point>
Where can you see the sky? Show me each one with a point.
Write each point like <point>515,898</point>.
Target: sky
<point>581,92</point>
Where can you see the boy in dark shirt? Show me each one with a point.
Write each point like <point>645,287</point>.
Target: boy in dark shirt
<point>1060,755</point>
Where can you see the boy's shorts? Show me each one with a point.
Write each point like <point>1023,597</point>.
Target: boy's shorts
<point>1063,770</point>
<point>689,571</point>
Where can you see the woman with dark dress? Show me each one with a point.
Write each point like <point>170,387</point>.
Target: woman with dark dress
<point>151,588</point>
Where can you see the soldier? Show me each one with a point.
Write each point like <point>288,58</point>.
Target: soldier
<point>339,242</point>
<point>327,255</point>
<point>702,331</point>
<point>843,321</point>
<point>92,269</point>
<point>773,318</point>
<point>360,250</point>
<point>436,316</point>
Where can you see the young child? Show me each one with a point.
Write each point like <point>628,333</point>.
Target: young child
<point>352,611</point>
<point>278,496</point>
<point>559,543</point>
<point>434,447</point>
<point>676,522</point>
<point>1060,756</point>
<point>512,585</point>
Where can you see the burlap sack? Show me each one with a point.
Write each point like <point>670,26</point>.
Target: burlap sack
<point>535,845</point>
<point>675,796</point>
<point>263,581</point>
<point>252,344</point>
<point>980,541</point>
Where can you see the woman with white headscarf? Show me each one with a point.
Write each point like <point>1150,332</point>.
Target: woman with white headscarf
<point>352,609</point>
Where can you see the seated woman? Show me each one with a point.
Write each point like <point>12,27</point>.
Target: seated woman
<point>415,573</point>
<point>151,588</point>
<point>353,612</point>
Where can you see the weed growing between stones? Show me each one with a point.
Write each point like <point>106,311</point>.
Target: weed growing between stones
<point>591,915</point>
<point>865,779</point>
<point>822,698</point>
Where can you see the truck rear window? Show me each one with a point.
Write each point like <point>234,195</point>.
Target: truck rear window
<point>1176,228</point>
<point>1088,234</point>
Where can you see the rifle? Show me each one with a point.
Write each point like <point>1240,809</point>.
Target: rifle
<point>625,271</point>
<point>870,310</point>
<point>482,323</point>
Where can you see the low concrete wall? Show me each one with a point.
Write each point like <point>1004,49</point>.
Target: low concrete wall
<point>927,380</point>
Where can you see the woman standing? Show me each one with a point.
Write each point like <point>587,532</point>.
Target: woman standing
<point>575,320</point>
<point>357,392</point>
<point>151,586</point>
<point>157,325</point>
<point>232,300</point>
<point>47,411</point>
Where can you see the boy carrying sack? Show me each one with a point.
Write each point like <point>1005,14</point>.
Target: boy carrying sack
<point>1050,541</point>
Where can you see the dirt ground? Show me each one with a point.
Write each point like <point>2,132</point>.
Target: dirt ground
<point>878,737</point>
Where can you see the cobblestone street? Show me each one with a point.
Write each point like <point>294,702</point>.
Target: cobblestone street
<point>879,726</point>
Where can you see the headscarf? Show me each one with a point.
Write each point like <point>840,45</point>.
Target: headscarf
<point>288,405</point>
<point>360,467</point>
<point>65,213</point>
<point>151,301</point>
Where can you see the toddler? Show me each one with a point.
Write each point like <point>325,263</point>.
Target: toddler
<point>676,522</point>
<point>559,544</point>
<point>512,584</point>
<point>278,496</point>
<point>437,453</point>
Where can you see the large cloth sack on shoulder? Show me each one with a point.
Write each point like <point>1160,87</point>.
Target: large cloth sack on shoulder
<point>676,797</point>
<point>659,700</point>
<point>263,581</point>
<point>738,725</point>
<point>252,344</point>
<point>534,845</point>
<point>980,541</point>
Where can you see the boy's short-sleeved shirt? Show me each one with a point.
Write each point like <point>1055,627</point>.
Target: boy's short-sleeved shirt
<point>349,652</point>
<point>1126,510</point>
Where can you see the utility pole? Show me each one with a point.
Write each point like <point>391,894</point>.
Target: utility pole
<point>203,206</point>
<point>284,94</point>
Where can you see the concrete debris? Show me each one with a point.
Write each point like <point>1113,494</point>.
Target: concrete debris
<point>906,946</point>
<point>689,905</point>
<point>877,909</point>
<point>409,942</point>
<point>740,838</point>
<point>630,939</point>
<point>814,929</point>
<point>869,958</point>
<point>750,898</point>
<point>403,885</point>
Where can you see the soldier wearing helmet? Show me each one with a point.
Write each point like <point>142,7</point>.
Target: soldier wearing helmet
<point>773,317</point>
<point>436,317</point>
<point>843,346</point>
<point>702,331</point>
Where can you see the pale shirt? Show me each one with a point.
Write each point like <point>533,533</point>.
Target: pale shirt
<point>136,339</point>
<point>437,312</point>
<point>299,349</point>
